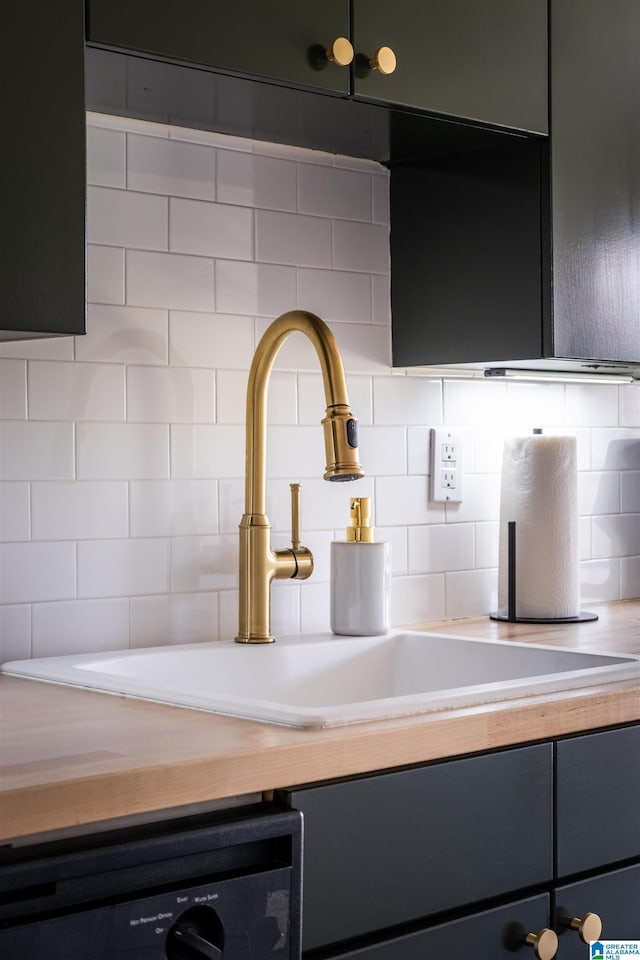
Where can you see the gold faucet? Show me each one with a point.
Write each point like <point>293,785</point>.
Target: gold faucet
<point>259,564</point>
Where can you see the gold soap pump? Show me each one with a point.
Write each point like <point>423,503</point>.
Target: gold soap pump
<point>359,530</point>
<point>360,577</point>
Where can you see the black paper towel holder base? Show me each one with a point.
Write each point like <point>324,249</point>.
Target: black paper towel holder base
<point>583,617</point>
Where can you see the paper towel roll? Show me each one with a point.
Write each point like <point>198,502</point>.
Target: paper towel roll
<point>539,492</point>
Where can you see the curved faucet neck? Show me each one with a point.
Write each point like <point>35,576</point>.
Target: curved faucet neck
<point>257,389</point>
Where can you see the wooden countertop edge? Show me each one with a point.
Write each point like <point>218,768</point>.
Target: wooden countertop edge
<point>310,755</point>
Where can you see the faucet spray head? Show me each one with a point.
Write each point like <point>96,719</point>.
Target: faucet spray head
<point>341,444</point>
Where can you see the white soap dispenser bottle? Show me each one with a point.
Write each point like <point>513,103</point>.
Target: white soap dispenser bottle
<point>360,577</point>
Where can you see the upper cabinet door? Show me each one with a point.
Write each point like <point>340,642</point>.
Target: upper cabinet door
<point>595,139</point>
<point>484,61</point>
<point>285,41</point>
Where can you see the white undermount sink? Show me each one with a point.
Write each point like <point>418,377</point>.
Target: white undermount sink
<point>322,680</point>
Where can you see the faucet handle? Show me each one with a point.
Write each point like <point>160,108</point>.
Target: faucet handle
<point>295,515</point>
<point>302,556</point>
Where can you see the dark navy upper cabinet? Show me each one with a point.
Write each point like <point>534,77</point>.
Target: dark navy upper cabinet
<point>484,61</point>
<point>42,258</point>
<point>285,41</point>
<point>528,254</point>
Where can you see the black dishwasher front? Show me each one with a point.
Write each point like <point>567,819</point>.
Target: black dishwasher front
<point>222,886</point>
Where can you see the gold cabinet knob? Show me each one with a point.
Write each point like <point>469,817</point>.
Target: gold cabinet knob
<point>383,60</point>
<point>340,52</point>
<point>544,943</point>
<point>589,927</point>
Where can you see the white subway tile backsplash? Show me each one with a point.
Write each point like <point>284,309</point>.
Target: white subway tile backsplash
<point>80,626</point>
<point>14,511</point>
<point>475,404</point>
<point>254,289</point>
<point>487,544</point>
<point>380,300</point>
<point>333,192</point>
<point>210,340</point>
<point>406,400</point>
<point>361,246</point>
<point>105,274</point>
<point>383,450</point>
<point>122,568</point>
<point>173,508</point>
<point>417,600</point>
<point>76,391</point>
<point>380,198</point>
<point>535,405</point>
<point>480,501</point>
<point>630,491</point>
<point>169,280</point>
<point>295,452</point>
<point>72,510</point>
<point>54,348</point>
<point>438,548</point>
<point>15,632</point>
<point>170,167</point>
<point>204,563</point>
<point>117,334</point>
<point>13,389</point>
<point>122,451</point>
<point>335,295</point>
<point>600,580</point>
<point>170,395</point>
<point>598,493</point>
<point>315,598</point>
<point>613,449</point>
<point>36,572</point>
<point>31,450</point>
<point>124,533</point>
<point>629,578</point>
<point>629,405</point>
<point>472,593</point>
<point>121,218</point>
<point>206,451</point>
<point>106,153</point>
<point>584,538</point>
<point>403,501</point>
<point>616,536</point>
<point>312,402</point>
<point>255,181</point>
<point>290,238</point>
<point>210,229</point>
<point>189,618</point>
<point>592,405</point>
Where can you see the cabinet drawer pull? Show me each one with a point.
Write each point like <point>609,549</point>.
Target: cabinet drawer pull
<point>340,52</point>
<point>544,943</point>
<point>383,60</point>
<point>589,927</point>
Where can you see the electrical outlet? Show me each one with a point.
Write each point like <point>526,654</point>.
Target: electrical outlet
<point>445,465</point>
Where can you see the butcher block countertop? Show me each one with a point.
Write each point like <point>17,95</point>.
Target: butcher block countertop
<point>71,757</point>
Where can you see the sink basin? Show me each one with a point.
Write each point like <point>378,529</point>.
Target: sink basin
<point>323,680</point>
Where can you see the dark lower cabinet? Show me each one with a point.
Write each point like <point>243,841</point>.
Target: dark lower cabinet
<point>614,897</point>
<point>456,858</point>
<point>489,934</point>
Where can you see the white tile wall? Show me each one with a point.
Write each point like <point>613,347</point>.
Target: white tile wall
<point>122,452</point>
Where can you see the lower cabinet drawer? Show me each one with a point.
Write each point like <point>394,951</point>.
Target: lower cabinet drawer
<point>614,896</point>
<point>397,847</point>
<point>490,934</point>
<point>598,799</point>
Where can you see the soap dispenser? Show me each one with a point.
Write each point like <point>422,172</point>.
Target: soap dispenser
<point>360,577</point>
